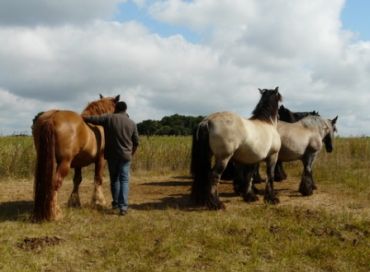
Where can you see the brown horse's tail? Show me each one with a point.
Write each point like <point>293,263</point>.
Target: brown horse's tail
<point>200,163</point>
<point>44,137</point>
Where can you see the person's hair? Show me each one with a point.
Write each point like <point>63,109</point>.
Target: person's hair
<point>121,106</point>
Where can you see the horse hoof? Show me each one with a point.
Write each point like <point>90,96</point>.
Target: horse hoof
<point>250,198</point>
<point>74,205</point>
<point>98,205</point>
<point>215,205</point>
<point>305,190</point>
<point>74,202</point>
<point>306,193</point>
<point>272,200</point>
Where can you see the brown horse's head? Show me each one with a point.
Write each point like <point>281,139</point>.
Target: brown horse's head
<point>101,106</point>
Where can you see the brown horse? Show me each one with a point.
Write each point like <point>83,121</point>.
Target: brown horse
<point>63,141</point>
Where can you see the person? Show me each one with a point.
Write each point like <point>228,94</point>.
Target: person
<point>121,142</point>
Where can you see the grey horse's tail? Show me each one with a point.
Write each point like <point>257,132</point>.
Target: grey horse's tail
<point>200,163</point>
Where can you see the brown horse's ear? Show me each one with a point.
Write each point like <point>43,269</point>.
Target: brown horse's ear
<point>277,89</point>
<point>261,91</point>
<point>101,96</point>
<point>116,99</point>
<point>334,120</point>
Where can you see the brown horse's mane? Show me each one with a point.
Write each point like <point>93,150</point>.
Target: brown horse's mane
<point>267,108</point>
<point>101,106</point>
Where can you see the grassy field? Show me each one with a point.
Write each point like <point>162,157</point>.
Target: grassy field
<point>328,231</point>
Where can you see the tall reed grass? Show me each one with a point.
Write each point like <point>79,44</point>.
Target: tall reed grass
<point>17,157</point>
<point>157,155</point>
<point>348,164</point>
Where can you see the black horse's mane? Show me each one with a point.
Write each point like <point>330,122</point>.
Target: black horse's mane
<point>267,108</point>
<point>291,117</point>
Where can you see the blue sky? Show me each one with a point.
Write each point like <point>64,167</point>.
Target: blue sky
<point>355,17</point>
<point>129,11</point>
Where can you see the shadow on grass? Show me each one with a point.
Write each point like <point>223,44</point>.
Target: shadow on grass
<point>183,177</point>
<point>15,210</point>
<point>175,201</point>
<point>168,183</point>
<point>179,200</point>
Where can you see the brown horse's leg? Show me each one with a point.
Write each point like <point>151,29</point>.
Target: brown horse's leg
<point>62,171</point>
<point>270,196</point>
<point>98,199</point>
<point>74,199</point>
<point>213,202</point>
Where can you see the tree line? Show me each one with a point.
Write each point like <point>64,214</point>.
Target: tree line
<point>169,125</point>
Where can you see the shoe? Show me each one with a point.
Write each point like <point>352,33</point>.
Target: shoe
<point>122,213</point>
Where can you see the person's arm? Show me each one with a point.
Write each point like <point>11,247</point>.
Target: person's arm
<point>96,119</point>
<point>135,140</point>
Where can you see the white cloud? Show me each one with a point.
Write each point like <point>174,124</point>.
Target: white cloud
<point>297,45</point>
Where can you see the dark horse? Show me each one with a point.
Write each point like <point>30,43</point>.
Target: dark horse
<point>291,117</point>
<point>224,136</point>
<point>63,141</point>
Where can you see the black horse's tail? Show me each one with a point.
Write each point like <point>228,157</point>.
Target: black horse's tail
<point>200,163</point>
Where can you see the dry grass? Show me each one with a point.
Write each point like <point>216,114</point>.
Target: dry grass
<point>328,231</point>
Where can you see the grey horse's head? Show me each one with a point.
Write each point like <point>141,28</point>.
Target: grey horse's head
<point>329,134</point>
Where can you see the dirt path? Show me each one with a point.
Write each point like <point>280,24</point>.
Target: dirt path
<point>173,192</point>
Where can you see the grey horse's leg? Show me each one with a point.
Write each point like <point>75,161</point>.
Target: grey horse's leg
<point>256,175</point>
<point>213,202</point>
<point>74,199</point>
<point>307,184</point>
<point>270,196</point>
<point>249,194</point>
<point>280,174</point>
<point>239,182</point>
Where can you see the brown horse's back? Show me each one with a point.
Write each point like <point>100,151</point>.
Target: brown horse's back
<point>74,139</point>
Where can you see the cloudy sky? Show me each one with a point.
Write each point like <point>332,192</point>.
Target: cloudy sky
<point>188,57</point>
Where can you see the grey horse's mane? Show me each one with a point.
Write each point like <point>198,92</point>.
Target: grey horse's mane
<point>314,121</point>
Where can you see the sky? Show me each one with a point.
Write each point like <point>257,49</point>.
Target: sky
<point>191,57</point>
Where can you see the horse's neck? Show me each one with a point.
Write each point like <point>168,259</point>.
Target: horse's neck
<point>274,121</point>
<point>88,112</point>
<point>319,129</point>
<point>322,130</point>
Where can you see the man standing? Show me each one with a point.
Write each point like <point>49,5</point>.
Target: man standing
<point>121,141</point>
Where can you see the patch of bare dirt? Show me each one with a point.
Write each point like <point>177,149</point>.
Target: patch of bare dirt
<point>38,243</point>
